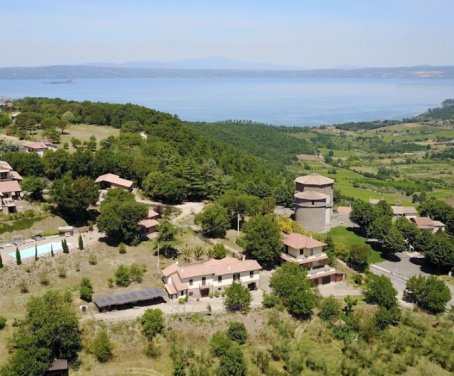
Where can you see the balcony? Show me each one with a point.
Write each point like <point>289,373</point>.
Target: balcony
<point>304,260</point>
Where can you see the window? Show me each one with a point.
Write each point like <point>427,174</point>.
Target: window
<point>204,281</point>
<point>236,277</point>
<point>312,252</point>
<point>182,293</point>
<point>251,274</point>
<point>313,202</point>
<point>191,282</point>
<point>220,279</point>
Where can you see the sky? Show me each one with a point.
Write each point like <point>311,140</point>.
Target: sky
<point>301,33</point>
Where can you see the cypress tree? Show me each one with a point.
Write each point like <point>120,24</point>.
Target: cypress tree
<point>81,242</point>
<point>18,258</point>
<point>1,262</point>
<point>64,246</point>
<point>51,249</point>
<point>36,252</point>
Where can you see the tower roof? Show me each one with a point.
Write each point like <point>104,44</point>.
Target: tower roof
<point>310,195</point>
<point>314,179</point>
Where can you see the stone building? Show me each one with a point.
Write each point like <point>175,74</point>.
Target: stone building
<point>314,201</point>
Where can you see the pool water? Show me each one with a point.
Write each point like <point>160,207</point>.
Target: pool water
<point>43,249</point>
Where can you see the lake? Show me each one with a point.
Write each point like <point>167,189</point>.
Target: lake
<point>281,101</point>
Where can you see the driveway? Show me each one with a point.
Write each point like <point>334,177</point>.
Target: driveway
<point>338,289</point>
<point>407,264</point>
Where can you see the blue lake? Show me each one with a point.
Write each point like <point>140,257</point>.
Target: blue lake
<point>286,101</point>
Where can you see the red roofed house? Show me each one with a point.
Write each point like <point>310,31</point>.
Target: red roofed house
<point>199,280</point>
<point>408,212</point>
<point>39,147</point>
<point>10,188</point>
<point>427,223</point>
<point>112,180</point>
<point>308,252</point>
<point>150,224</point>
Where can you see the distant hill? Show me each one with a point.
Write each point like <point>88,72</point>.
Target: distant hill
<point>178,70</point>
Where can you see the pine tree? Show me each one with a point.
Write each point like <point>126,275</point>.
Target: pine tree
<point>36,252</point>
<point>18,258</point>
<point>81,243</point>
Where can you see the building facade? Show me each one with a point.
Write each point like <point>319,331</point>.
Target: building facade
<point>314,201</point>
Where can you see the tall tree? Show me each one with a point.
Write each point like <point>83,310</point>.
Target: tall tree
<point>214,221</point>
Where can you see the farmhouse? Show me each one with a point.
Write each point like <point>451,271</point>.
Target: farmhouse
<point>427,223</point>
<point>199,280</point>
<point>408,212</point>
<point>314,201</point>
<point>39,147</point>
<point>114,181</point>
<point>308,252</point>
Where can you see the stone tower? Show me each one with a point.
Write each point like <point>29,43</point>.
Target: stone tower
<point>314,201</point>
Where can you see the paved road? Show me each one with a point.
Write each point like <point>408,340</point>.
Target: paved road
<point>399,271</point>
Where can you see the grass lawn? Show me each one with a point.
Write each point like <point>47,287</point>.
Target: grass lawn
<point>341,235</point>
<point>83,132</point>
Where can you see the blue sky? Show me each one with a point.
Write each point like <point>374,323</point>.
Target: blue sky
<point>306,34</point>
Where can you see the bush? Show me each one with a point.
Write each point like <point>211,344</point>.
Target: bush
<point>2,322</point>
<point>23,287</point>
<point>122,276</point>
<point>219,343</point>
<point>92,259</point>
<point>237,298</point>
<point>152,323</point>
<point>102,347</point>
<point>136,272</point>
<point>385,317</point>
<point>86,289</point>
<point>121,249</point>
<point>152,350</point>
<point>61,271</point>
<point>380,291</point>
<point>219,251</point>
<point>237,332</point>
<point>270,300</point>
<point>232,362</point>
<point>330,309</point>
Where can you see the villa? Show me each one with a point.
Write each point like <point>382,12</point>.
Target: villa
<point>10,189</point>
<point>114,181</point>
<point>427,223</point>
<point>308,253</point>
<point>199,280</point>
<point>408,212</point>
<point>39,147</point>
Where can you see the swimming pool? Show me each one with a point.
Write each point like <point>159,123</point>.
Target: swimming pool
<point>42,250</point>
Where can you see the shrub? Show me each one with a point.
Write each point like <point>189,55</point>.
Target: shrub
<point>86,289</point>
<point>428,293</point>
<point>232,362</point>
<point>152,323</point>
<point>237,298</point>
<point>61,271</point>
<point>358,278</point>
<point>385,317</point>
<point>219,343</point>
<point>81,242</point>
<point>121,249</point>
<point>44,279</point>
<point>136,272</point>
<point>270,300</point>
<point>152,350</point>
<point>219,251</point>
<point>92,259</point>
<point>102,347</point>
<point>330,309</point>
<point>237,332</point>
<point>122,276</point>
<point>23,287</point>
<point>2,322</point>
<point>110,283</point>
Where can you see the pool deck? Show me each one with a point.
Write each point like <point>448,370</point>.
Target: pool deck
<point>89,238</point>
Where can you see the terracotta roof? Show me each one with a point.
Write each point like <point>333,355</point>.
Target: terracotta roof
<point>149,223</point>
<point>152,214</point>
<point>298,241</point>
<point>15,175</point>
<point>314,179</point>
<point>35,145</point>
<point>5,165</point>
<point>344,209</point>
<point>227,265</point>
<point>311,195</point>
<point>178,283</point>
<point>423,222</point>
<point>10,186</point>
<point>402,210</point>
<point>115,180</point>
<point>170,289</point>
<point>438,224</point>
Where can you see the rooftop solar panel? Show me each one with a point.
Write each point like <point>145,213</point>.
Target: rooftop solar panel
<point>128,297</point>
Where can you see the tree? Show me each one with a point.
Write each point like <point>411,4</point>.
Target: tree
<point>102,347</point>
<point>165,187</point>
<point>262,237</point>
<point>237,332</point>
<point>408,229</point>
<point>214,221</point>
<point>387,316</point>
<point>86,289</point>
<point>68,117</point>
<point>36,252</point>
<point>358,257</point>
<point>18,257</point>
<point>5,120</point>
<point>1,262</point>
<point>62,125</point>
<point>81,242</point>
<point>289,282</point>
<point>34,186</point>
<point>120,216</point>
<point>219,343</point>
<point>362,213</point>
<point>122,276</point>
<point>237,298</point>
<point>330,309</point>
<point>393,241</point>
<point>379,290</point>
<point>428,293</point>
<point>73,197</point>
<point>219,251</point>
<point>152,323</point>
<point>64,246</point>
<point>383,209</point>
<point>440,251</point>
<point>232,362</point>
<point>379,227</point>
<point>166,235</point>
<point>49,331</point>
<point>56,163</point>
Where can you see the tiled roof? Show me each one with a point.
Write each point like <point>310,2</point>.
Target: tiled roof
<point>115,180</point>
<point>305,260</point>
<point>298,241</point>
<point>10,186</point>
<point>35,145</point>
<point>15,175</point>
<point>149,223</point>
<point>5,165</point>
<point>152,214</point>
<point>402,210</point>
<point>314,179</point>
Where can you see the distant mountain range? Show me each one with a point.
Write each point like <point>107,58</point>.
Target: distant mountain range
<point>211,68</point>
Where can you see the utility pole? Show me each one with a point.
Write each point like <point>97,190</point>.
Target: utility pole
<point>158,266</point>
<point>238,225</point>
